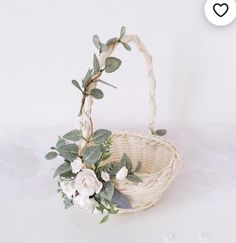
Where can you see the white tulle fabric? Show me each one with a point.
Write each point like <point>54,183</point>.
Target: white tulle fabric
<point>209,153</point>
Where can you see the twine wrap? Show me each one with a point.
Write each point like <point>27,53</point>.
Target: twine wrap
<point>160,160</point>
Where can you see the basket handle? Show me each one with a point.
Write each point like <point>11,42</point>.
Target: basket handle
<point>87,127</point>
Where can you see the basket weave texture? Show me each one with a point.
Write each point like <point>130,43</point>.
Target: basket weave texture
<point>160,159</point>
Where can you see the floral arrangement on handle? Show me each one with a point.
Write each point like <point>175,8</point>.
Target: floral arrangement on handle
<point>84,180</point>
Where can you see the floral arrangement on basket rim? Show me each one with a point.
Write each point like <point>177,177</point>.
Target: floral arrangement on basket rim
<point>83,179</point>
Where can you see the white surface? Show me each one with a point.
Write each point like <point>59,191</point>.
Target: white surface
<point>45,44</point>
<point>198,207</point>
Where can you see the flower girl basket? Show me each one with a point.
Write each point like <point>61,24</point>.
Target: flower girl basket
<point>160,160</point>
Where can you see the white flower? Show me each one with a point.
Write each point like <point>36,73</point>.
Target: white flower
<point>85,203</point>
<point>122,173</point>
<point>68,187</point>
<point>77,165</point>
<point>87,183</point>
<point>105,176</point>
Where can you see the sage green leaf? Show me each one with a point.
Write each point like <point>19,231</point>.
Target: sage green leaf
<point>51,155</point>
<point>120,200</point>
<point>138,167</point>
<point>125,161</point>
<point>113,167</point>
<point>112,64</point>
<point>97,42</point>
<point>104,82</point>
<point>122,31</point>
<point>101,135</point>
<point>91,154</point>
<point>62,169</point>
<point>67,202</point>
<point>104,47</point>
<point>87,77</point>
<point>126,46</point>
<point>160,132</point>
<point>134,178</point>
<point>105,156</point>
<point>76,84</point>
<point>68,151</point>
<point>112,41</point>
<point>104,219</point>
<point>107,191</point>
<point>74,135</point>
<point>96,65</point>
<point>60,142</point>
<point>96,93</point>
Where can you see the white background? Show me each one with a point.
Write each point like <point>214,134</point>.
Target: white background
<point>46,44</point>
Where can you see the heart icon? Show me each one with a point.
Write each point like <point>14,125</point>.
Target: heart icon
<point>220,9</point>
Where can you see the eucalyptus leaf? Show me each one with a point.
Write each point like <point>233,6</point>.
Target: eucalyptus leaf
<point>87,77</point>
<point>134,178</point>
<point>62,169</point>
<point>96,93</point>
<point>107,191</point>
<point>97,42</point>
<point>104,219</point>
<point>104,82</point>
<point>120,200</point>
<point>96,65</point>
<point>105,156</point>
<point>125,161</point>
<point>68,151</point>
<point>67,202</point>
<point>51,155</point>
<point>160,132</point>
<point>112,64</point>
<point>113,167</point>
<point>104,47</point>
<point>101,135</point>
<point>122,31</point>
<point>74,135</point>
<point>60,142</point>
<point>138,167</point>
<point>112,41</point>
<point>126,46</point>
<point>91,154</point>
<point>76,84</point>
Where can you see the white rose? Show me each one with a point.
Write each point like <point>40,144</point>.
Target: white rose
<point>85,203</point>
<point>77,165</point>
<point>87,183</point>
<point>68,187</point>
<point>122,173</point>
<point>105,176</point>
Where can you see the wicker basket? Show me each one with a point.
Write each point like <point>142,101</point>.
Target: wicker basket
<point>160,160</point>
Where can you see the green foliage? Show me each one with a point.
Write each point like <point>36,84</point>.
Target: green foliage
<point>125,161</point>
<point>87,77</point>
<point>76,84</point>
<point>63,168</point>
<point>74,135</point>
<point>60,142</point>
<point>122,31</point>
<point>120,200</point>
<point>107,191</point>
<point>91,154</point>
<point>138,167</point>
<point>104,219</point>
<point>104,82</point>
<point>126,46</point>
<point>96,93</point>
<point>51,155</point>
<point>160,132</point>
<point>112,64</point>
<point>134,178</point>
<point>68,151</point>
<point>101,135</point>
<point>96,65</point>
